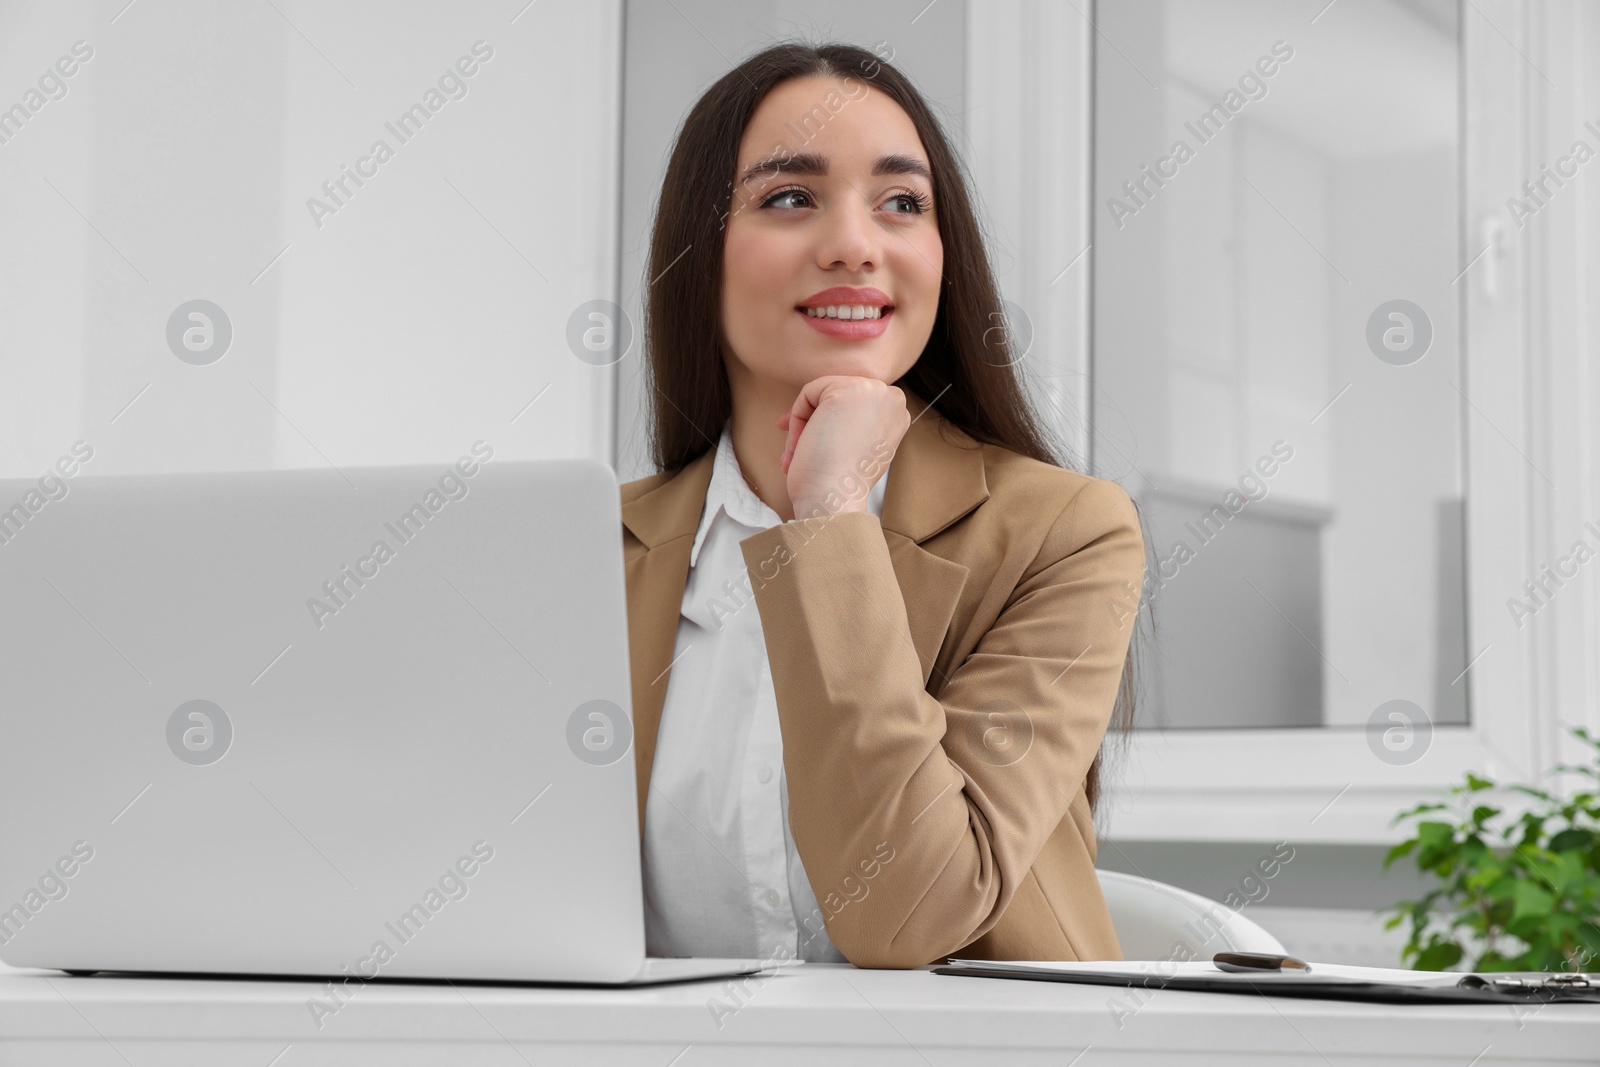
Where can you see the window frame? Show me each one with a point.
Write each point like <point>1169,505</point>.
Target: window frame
<point>1324,783</point>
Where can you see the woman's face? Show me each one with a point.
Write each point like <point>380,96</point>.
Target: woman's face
<point>865,220</point>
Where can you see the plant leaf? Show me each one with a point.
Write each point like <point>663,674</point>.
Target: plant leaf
<point>1572,837</point>
<point>1399,850</point>
<point>1530,900</point>
<point>1438,956</point>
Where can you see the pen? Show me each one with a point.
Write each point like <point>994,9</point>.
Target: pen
<point>1258,961</point>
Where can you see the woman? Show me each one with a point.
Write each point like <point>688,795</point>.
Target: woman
<point>867,705</point>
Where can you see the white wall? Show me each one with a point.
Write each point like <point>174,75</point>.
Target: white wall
<point>423,315</point>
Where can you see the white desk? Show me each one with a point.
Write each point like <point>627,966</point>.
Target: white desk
<point>821,1013</point>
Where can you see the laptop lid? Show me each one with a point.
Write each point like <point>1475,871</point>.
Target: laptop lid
<point>369,722</point>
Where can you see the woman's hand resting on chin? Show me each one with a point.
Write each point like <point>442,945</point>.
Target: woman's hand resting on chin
<point>843,431</point>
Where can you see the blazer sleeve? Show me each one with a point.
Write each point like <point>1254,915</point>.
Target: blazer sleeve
<point>963,790</point>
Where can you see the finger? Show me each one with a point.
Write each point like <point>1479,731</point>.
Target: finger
<point>796,427</point>
<point>805,405</point>
<point>802,409</point>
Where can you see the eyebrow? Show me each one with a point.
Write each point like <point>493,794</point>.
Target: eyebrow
<point>812,163</point>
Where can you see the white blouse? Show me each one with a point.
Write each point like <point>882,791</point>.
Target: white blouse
<point>721,873</point>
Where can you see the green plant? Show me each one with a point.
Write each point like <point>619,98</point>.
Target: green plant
<point>1527,892</point>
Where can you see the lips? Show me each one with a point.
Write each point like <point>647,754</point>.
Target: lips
<point>848,295</point>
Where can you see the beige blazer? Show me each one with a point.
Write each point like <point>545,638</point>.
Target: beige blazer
<point>944,678</point>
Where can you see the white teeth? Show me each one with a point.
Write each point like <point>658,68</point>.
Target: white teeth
<point>845,311</point>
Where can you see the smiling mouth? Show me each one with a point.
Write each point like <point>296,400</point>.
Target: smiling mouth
<point>877,313</point>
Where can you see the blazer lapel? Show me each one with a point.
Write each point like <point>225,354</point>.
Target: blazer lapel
<point>657,569</point>
<point>936,478</point>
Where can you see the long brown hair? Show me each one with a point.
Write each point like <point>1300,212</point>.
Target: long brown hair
<point>966,365</point>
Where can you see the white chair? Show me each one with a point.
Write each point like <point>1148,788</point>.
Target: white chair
<point>1153,919</point>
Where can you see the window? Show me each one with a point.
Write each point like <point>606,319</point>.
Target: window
<point>1277,351</point>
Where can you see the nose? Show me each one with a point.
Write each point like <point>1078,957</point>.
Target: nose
<point>849,237</point>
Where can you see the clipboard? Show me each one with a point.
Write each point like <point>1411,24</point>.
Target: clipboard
<point>1321,981</point>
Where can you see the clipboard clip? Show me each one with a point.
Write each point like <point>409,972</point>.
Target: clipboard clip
<point>1551,981</point>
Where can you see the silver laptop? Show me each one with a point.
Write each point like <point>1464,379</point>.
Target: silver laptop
<point>352,724</point>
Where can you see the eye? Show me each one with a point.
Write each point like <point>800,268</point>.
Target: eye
<point>919,201</point>
<point>793,190</point>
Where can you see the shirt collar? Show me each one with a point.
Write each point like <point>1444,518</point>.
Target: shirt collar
<point>729,492</point>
